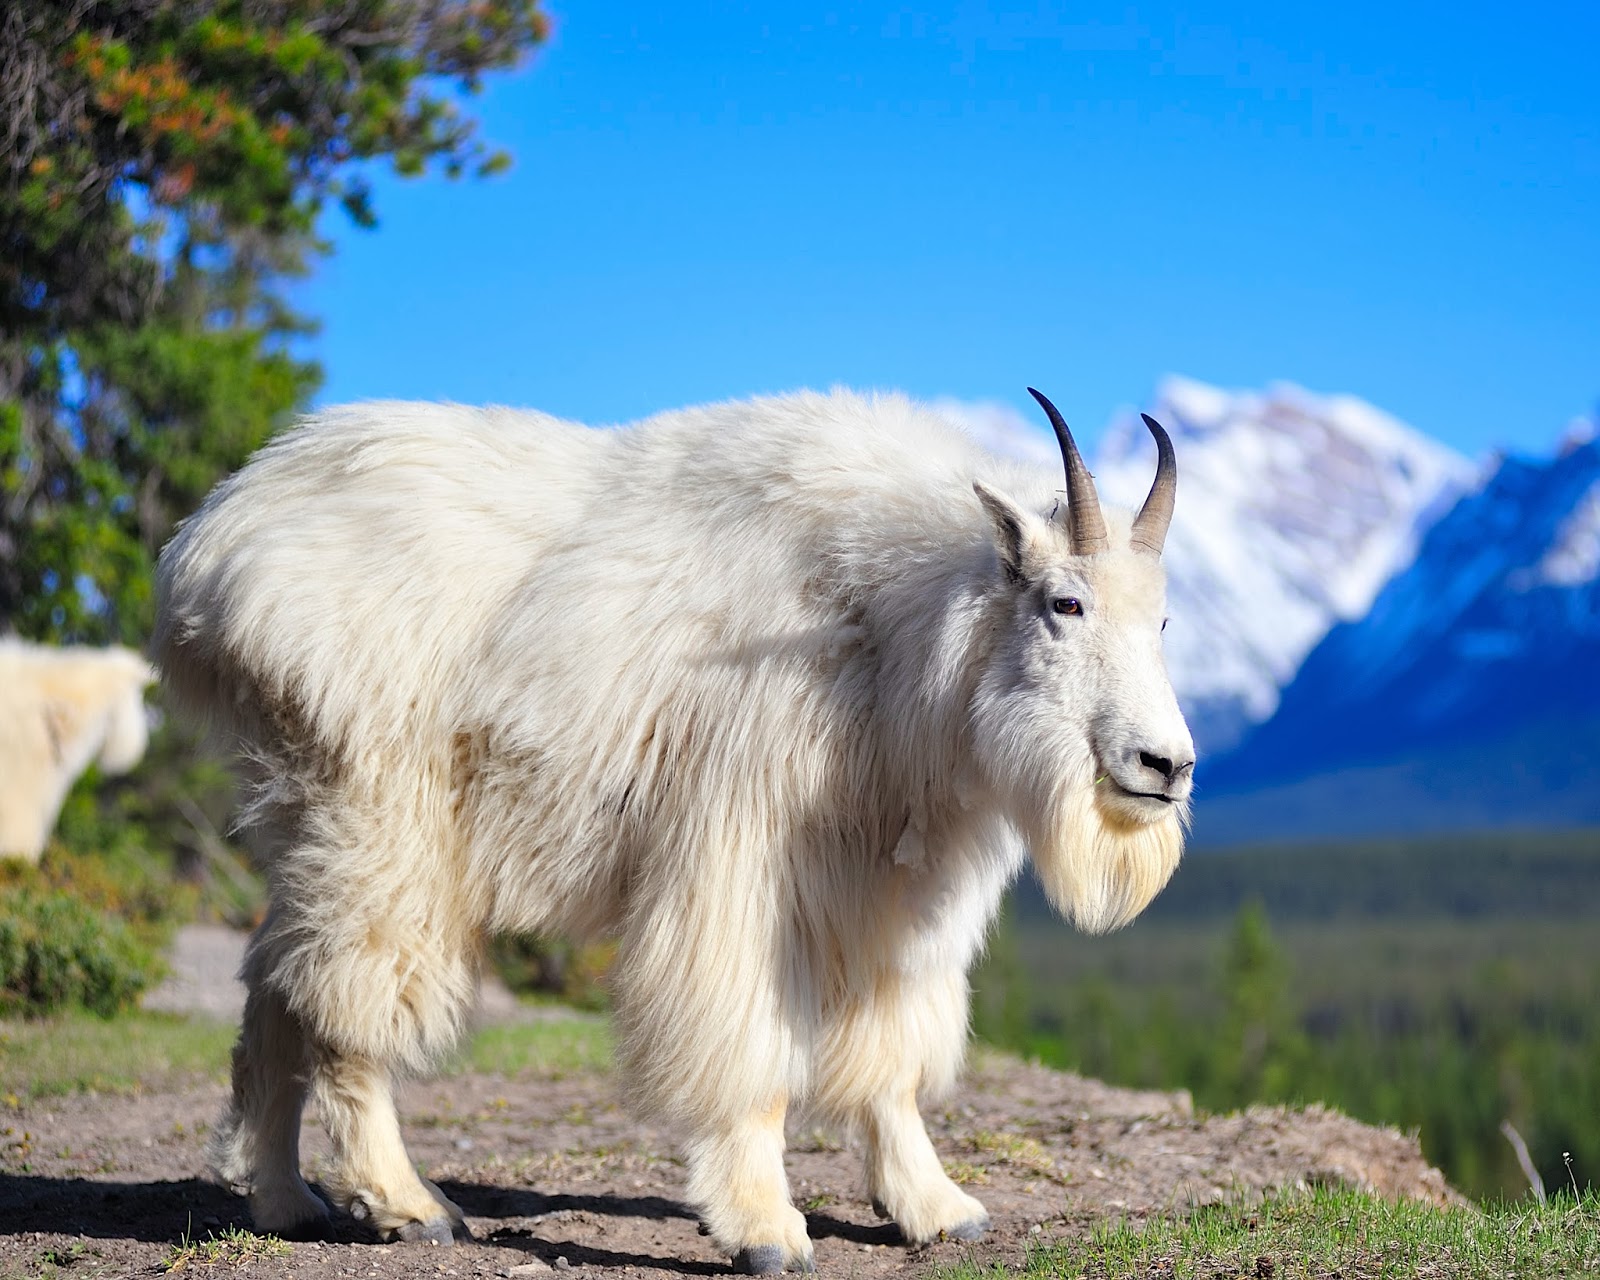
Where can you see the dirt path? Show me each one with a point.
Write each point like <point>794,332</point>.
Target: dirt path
<point>554,1176</point>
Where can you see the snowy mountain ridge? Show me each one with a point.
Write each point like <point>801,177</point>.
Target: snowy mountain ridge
<point>1494,623</point>
<point>1465,697</point>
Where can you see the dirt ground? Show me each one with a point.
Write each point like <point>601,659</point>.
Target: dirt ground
<point>554,1176</point>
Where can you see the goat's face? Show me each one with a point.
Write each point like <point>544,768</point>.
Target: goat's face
<point>1075,721</point>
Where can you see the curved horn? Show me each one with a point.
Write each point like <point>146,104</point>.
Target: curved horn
<point>1150,525</point>
<point>1085,524</point>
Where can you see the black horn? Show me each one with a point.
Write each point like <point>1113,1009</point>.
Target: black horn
<point>1085,524</point>
<point>1150,525</point>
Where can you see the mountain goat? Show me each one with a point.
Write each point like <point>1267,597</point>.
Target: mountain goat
<point>61,710</point>
<point>778,693</point>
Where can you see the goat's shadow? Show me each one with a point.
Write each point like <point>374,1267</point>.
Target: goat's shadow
<point>480,1201</point>
<point>159,1212</point>
<point>192,1208</point>
<point>485,1200</point>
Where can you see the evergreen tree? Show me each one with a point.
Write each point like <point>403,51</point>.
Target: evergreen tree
<point>163,166</point>
<point>1260,1048</point>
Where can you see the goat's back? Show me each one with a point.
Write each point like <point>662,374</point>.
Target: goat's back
<point>387,575</point>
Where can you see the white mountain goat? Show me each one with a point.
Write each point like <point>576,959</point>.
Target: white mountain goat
<point>778,693</point>
<point>61,710</point>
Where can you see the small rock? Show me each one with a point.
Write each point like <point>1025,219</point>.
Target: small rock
<point>463,1144</point>
<point>537,1267</point>
<point>562,1264</point>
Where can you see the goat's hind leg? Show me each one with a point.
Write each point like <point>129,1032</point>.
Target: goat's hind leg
<point>375,954</point>
<point>389,998</point>
<point>256,1145</point>
<point>373,1178</point>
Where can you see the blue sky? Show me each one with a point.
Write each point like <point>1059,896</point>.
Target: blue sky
<point>1400,201</point>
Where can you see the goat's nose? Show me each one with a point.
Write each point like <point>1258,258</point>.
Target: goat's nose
<point>1161,764</point>
<point>1171,772</point>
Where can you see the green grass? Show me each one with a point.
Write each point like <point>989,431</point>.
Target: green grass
<point>76,1053</point>
<point>1328,1232</point>
<point>557,1046</point>
<point>53,1263</point>
<point>233,1248</point>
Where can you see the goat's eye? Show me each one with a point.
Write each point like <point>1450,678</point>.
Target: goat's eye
<point>1069,605</point>
<point>1164,622</point>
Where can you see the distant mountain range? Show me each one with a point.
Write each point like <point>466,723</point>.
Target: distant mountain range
<point>1476,674</point>
<point>1372,634</point>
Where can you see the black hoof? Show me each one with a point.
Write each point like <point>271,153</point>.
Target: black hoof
<point>970,1230</point>
<point>759,1260</point>
<point>882,1210</point>
<point>435,1232</point>
<point>764,1260</point>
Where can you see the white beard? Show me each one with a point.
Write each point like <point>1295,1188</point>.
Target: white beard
<point>1099,866</point>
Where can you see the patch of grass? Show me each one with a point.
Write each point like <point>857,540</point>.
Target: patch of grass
<point>549,1047</point>
<point>76,1052</point>
<point>1027,1154</point>
<point>1328,1232</point>
<point>817,1139</point>
<point>234,1247</point>
<point>52,1264</point>
<point>965,1174</point>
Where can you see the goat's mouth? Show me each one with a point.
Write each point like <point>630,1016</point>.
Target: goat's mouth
<point>1127,793</point>
<point>1127,802</point>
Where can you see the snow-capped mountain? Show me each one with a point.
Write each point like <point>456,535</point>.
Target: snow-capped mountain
<point>1492,631</point>
<point>1293,510</point>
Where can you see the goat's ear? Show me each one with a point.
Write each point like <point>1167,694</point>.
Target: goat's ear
<point>1012,532</point>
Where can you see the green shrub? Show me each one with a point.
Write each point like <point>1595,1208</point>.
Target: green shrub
<point>56,953</point>
<point>137,891</point>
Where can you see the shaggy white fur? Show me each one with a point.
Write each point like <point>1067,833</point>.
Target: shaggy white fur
<point>764,689</point>
<point>62,709</point>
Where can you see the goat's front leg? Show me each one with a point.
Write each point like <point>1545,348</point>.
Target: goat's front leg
<point>736,1181</point>
<point>906,1180</point>
<point>903,1038</point>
